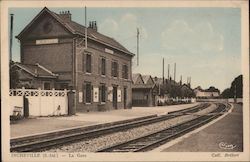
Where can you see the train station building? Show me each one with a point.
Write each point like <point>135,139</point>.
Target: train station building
<point>99,72</point>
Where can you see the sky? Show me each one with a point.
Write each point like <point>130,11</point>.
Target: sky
<point>205,43</point>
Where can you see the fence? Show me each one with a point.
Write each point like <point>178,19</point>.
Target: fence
<point>238,100</point>
<point>40,102</point>
<point>169,101</point>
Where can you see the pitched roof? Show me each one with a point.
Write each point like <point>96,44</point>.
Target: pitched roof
<point>158,80</point>
<point>79,29</point>
<point>187,86</point>
<point>36,70</point>
<point>146,78</point>
<point>135,77</point>
<point>210,89</point>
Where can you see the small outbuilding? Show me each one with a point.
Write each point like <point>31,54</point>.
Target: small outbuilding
<point>144,90</point>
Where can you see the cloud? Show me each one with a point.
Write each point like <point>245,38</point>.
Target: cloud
<point>124,30</point>
<point>195,38</point>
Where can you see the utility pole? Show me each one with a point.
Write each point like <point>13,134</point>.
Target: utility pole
<point>163,71</point>
<point>11,35</point>
<point>76,59</point>
<point>86,44</point>
<point>181,80</point>
<point>168,70</point>
<point>174,71</point>
<point>138,34</point>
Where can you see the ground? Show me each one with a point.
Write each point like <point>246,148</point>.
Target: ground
<point>221,136</point>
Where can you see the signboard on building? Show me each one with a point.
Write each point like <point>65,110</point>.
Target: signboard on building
<point>110,94</point>
<point>46,41</point>
<point>119,95</point>
<point>80,97</point>
<point>96,94</point>
<point>109,51</point>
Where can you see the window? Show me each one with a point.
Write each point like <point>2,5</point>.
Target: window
<point>103,66</point>
<point>63,86</point>
<point>114,69</point>
<point>125,71</point>
<point>88,93</point>
<point>46,86</point>
<point>102,93</point>
<point>88,63</point>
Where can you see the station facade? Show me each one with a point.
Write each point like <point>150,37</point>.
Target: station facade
<point>99,72</point>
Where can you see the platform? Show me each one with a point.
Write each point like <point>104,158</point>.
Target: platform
<point>225,135</point>
<point>46,124</point>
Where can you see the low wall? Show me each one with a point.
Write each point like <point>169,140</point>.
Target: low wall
<point>231,100</point>
<point>40,102</point>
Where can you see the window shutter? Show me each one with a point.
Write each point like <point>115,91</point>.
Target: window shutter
<point>112,68</point>
<point>106,93</point>
<point>84,62</point>
<point>91,62</point>
<point>104,66</point>
<point>117,70</point>
<point>100,66</point>
<point>92,93</point>
<point>100,93</point>
<point>84,93</point>
<point>123,71</point>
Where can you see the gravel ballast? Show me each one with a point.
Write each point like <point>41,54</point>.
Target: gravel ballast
<point>95,144</point>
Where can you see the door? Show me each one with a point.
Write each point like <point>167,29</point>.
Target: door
<point>47,86</point>
<point>125,97</point>
<point>115,97</point>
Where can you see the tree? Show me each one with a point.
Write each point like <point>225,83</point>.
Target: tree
<point>237,86</point>
<point>226,93</point>
<point>14,76</point>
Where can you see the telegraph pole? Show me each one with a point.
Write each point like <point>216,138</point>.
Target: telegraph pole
<point>181,80</point>
<point>11,35</point>
<point>168,70</point>
<point>86,44</point>
<point>174,71</point>
<point>138,34</point>
<point>163,70</point>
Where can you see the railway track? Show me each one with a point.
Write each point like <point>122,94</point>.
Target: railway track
<point>153,140</point>
<point>46,141</point>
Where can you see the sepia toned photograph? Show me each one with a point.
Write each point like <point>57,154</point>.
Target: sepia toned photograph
<point>125,81</point>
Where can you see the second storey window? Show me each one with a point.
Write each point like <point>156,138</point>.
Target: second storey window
<point>125,71</point>
<point>88,63</point>
<point>114,68</point>
<point>103,66</point>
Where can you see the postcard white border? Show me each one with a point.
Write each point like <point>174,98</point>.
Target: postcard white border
<point>164,156</point>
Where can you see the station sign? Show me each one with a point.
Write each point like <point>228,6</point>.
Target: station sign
<point>109,51</point>
<point>46,41</point>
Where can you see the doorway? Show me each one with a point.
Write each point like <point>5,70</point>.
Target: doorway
<point>115,97</point>
<point>125,97</point>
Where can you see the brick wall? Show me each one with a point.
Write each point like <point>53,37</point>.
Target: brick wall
<point>56,57</point>
<point>95,78</point>
<point>59,58</point>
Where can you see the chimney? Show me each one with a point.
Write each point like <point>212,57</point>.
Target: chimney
<point>65,15</point>
<point>93,25</point>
